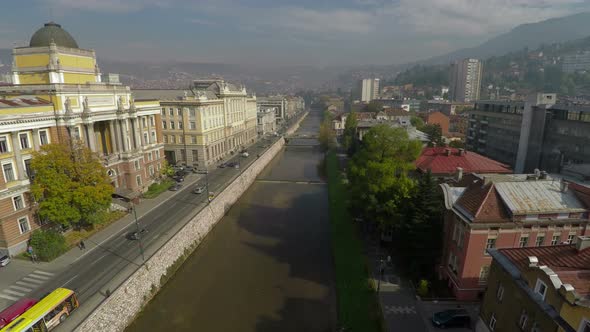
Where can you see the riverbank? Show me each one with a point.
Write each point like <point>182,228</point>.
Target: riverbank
<point>358,306</point>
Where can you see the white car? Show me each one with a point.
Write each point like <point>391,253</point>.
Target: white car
<point>199,190</point>
<point>245,154</point>
<point>4,260</point>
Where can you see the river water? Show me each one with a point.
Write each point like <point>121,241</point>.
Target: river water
<point>267,265</point>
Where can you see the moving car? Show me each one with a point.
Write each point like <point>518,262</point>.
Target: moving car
<point>451,318</point>
<point>175,187</point>
<point>245,154</point>
<point>199,190</point>
<point>224,165</point>
<point>136,235</point>
<point>178,178</point>
<point>233,164</point>
<point>4,260</point>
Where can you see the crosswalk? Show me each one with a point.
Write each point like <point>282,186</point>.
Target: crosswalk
<point>397,310</point>
<point>25,285</point>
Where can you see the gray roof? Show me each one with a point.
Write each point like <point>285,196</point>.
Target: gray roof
<point>52,32</point>
<point>543,196</point>
<point>161,94</point>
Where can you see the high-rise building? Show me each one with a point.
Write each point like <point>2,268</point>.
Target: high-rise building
<point>369,89</point>
<point>56,95</point>
<point>466,78</point>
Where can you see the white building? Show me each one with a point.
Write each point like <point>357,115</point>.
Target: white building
<point>267,123</point>
<point>369,89</point>
<point>466,76</point>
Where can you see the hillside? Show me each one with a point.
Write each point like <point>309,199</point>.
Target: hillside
<point>531,35</point>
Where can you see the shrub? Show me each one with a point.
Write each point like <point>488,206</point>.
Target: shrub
<point>48,244</point>
<point>423,288</point>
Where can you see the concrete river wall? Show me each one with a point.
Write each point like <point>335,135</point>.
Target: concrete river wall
<point>120,308</point>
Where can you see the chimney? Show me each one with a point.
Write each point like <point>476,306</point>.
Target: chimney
<point>533,261</point>
<point>461,152</point>
<point>459,174</point>
<point>582,243</point>
<point>448,152</point>
<point>563,186</point>
<point>543,175</point>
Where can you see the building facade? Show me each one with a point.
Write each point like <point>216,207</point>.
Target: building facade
<point>576,62</point>
<point>69,103</point>
<point>369,89</point>
<point>267,123</point>
<point>206,124</point>
<point>505,211</point>
<point>285,107</point>
<point>466,76</point>
<point>542,289</point>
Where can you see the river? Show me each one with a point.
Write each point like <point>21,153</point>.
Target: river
<point>267,265</point>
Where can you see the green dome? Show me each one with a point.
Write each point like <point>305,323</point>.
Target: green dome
<point>52,32</point>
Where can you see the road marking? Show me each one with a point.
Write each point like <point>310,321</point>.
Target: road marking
<point>38,277</point>
<point>22,283</point>
<point>35,281</point>
<point>12,298</point>
<point>13,292</point>
<point>24,289</point>
<point>72,278</point>
<point>42,272</point>
<point>405,310</point>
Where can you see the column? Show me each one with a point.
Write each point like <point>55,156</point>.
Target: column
<point>91,137</point>
<point>135,133</point>
<point>120,136</point>
<point>20,168</point>
<point>36,142</point>
<point>114,141</point>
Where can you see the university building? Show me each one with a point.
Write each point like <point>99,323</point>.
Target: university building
<point>58,94</point>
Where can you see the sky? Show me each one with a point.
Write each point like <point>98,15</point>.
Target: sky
<point>276,32</point>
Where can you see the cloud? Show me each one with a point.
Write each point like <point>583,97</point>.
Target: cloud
<point>324,22</point>
<point>109,6</point>
<point>199,21</point>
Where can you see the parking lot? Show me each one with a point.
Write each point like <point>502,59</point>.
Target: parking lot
<point>428,308</point>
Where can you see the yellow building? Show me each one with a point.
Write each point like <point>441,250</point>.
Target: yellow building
<point>57,94</point>
<point>207,123</point>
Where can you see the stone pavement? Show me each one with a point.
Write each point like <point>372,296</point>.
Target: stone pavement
<point>21,277</point>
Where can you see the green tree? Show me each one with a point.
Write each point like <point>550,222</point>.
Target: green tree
<point>326,135</point>
<point>48,244</point>
<point>434,133</point>
<point>70,184</point>
<point>349,137</point>
<point>166,169</point>
<point>457,144</point>
<point>378,173</point>
<point>417,122</point>
<point>373,106</point>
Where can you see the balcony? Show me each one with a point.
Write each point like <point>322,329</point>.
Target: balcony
<point>483,141</point>
<point>485,122</point>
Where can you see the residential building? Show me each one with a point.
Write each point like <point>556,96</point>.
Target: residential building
<point>206,124</point>
<point>285,106</point>
<point>266,122</point>
<point>448,108</point>
<point>540,289</point>
<point>369,89</point>
<point>576,62</point>
<point>505,211</point>
<point>440,119</point>
<point>541,132</point>
<point>408,105</point>
<point>339,123</point>
<point>466,76</point>
<point>445,162</point>
<point>57,95</point>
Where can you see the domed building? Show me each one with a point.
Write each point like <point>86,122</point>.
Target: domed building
<point>57,95</point>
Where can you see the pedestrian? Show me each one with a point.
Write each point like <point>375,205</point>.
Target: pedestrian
<point>82,245</point>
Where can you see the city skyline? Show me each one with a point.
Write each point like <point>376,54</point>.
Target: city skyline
<point>277,32</point>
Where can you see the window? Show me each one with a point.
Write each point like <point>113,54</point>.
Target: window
<point>18,202</point>
<point>144,122</point>
<point>165,139</point>
<point>523,319</point>
<point>163,124</point>
<point>483,274</point>
<point>43,137</point>
<point>23,225</point>
<point>524,240</point>
<point>153,137</point>
<point>76,133</point>
<point>460,238</point>
<point>24,141</point>
<point>500,292</point>
<point>3,144</point>
<point>540,240</point>
<point>138,180</point>
<point>157,154</point>
<point>571,238</point>
<point>171,111</point>
<point>192,112</point>
<point>192,125</point>
<point>490,244</point>
<point>179,112</point>
<point>27,163</point>
<point>194,139</point>
<point>541,288</point>
<point>152,121</point>
<point>555,239</point>
<point>149,156</point>
<point>145,138</point>
<point>151,170</point>
<point>455,229</point>
<point>492,324</point>
<point>8,172</point>
<point>172,139</point>
<point>172,125</point>
<point>180,139</point>
<point>179,125</point>
<point>136,164</point>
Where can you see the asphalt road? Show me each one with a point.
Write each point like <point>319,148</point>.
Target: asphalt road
<point>116,259</point>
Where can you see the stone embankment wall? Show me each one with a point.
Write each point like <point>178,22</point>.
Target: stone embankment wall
<point>295,126</point>
<point>118,310</point>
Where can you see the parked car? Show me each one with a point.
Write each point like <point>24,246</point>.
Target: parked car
<point>201,171</point>
<point>188,170</point>
<point>175,187</point>
<point>136,235</point>
<point>199,190</point>
<point>178,178</point>
<point>245,154</point>
<point>451,318</point>
<point>4,260</point>
<point>223,165</point>
<point>233,164</point>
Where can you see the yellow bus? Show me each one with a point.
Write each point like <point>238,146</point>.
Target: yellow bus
<point>46,314</point>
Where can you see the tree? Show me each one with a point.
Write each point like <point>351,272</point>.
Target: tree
<point>48,244</point>
<point>70,184</point>
<point>417,122</point>
<point>349,136</point>
<point>326,135</point>
<point>378,173</point>
<point>458,144</point>
<point>434,133</point>
<point>373,106</point>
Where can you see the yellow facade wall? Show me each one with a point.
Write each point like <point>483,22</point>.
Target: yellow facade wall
<point>574,314</point>
<point>76,78</point>
<point>76,61</point>
<point>38,78</point>
<point>31,60</point>
<point>26,110</point>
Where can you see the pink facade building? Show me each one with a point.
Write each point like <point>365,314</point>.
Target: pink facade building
<point>505,211</point>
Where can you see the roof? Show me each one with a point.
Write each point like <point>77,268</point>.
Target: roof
<point>395,112</point>
<point>52,33</point>
<point>439,163</point>
<point>571,266</point>
<point>542,196</point>
<point>23,102</point>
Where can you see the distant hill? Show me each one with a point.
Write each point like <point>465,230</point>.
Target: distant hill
<point>531,35</point>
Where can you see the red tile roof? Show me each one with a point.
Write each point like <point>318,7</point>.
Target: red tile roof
<point>572,266</point>
<point>437,161</point>
<point>482,203</point>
